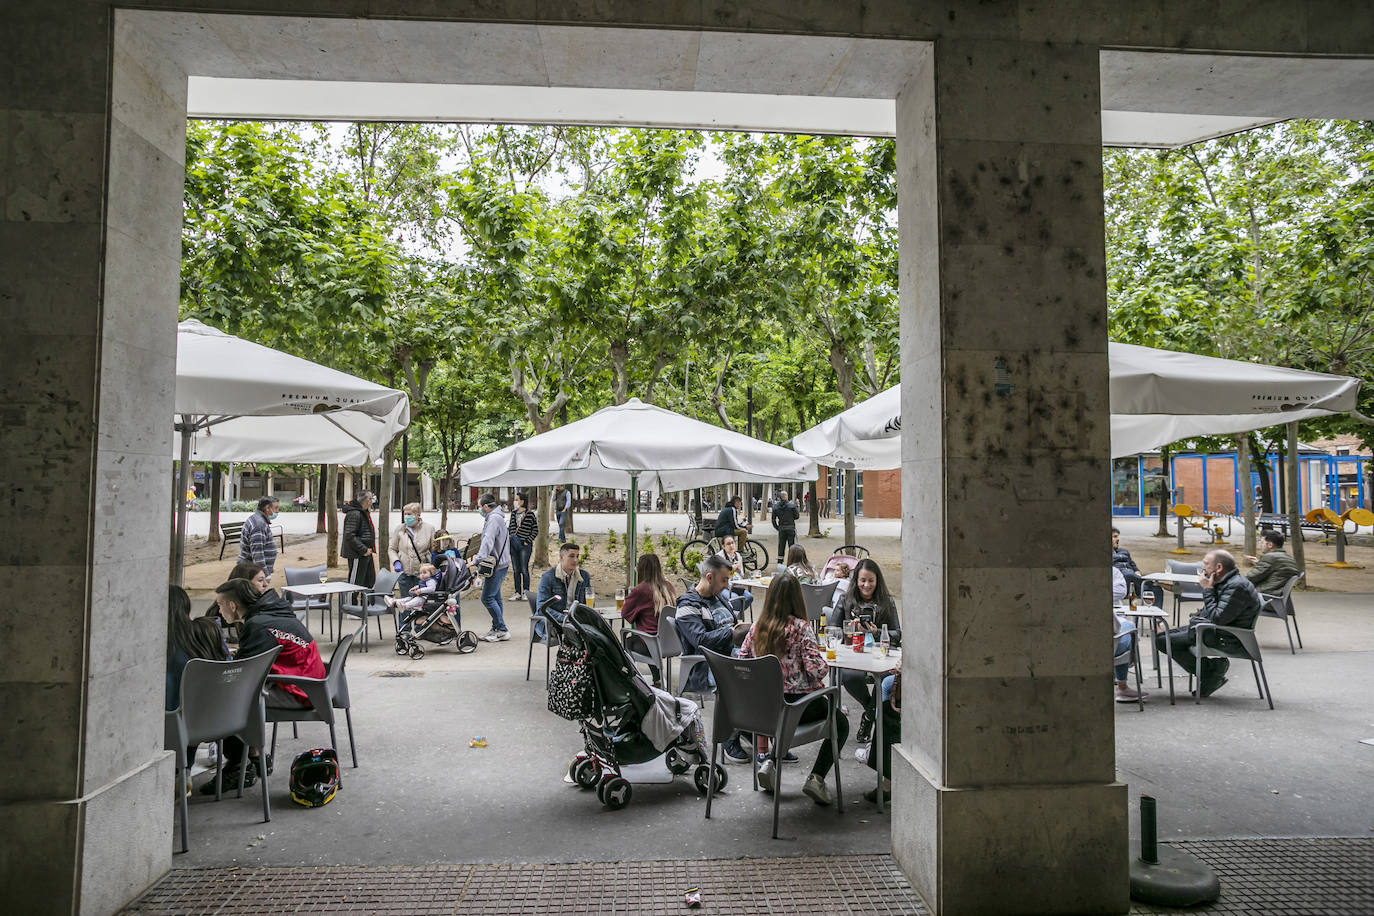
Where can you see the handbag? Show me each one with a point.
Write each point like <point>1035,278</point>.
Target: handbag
<point>486,566</point>
<point>570,686</point>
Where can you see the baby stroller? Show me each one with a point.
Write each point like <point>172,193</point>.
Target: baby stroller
<point>437,620</point>
<point>617,750</point>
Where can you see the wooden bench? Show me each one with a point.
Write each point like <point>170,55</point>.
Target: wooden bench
<point>1280,523</point>
<point>232,533</point>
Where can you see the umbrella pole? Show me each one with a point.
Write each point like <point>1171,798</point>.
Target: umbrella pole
<point>183,480</point>
<point>631,560</point>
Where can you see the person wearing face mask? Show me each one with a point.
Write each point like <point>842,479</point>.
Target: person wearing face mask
<point>255,543</point>
<point>412,543</point>
<point>494,553</point>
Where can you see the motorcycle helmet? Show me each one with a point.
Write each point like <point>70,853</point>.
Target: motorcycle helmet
<point>315,777</point>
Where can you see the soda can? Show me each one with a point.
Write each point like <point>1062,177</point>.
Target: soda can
<point>858,642</point>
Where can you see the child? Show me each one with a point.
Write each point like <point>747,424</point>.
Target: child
<point>429,581</point>
<point>841,574</point>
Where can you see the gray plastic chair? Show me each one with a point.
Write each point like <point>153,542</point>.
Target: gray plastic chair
<point>1280,607</point>
<point>552,638</point>
<point>219,700</point>
<point>303,605</point>
<point>371,604</point>
<point>749,699</point>
<point>1184,591</point>
<point>817,598</point>
<point>326,695</point>
<point>658,650</point>
<point>670,644</point>
<point>1249,651</point>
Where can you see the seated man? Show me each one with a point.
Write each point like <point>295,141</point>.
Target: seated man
<point>730,522</point>
<point>1273,567</point>
<point>1121,559</point>
<point>706,621</point>
<point>1228,599</point>
<point>556,581</point>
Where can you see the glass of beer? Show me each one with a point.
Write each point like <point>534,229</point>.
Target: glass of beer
<point>619,599</point>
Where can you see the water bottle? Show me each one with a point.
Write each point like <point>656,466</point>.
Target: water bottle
<point>884,642</point>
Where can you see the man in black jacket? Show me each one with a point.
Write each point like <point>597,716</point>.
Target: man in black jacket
<point>1228,599</point>
<point>705,620</point>
<point>785,515</point>
<point>360,540</point>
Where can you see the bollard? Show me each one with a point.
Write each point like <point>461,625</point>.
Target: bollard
<point>1149,839</point>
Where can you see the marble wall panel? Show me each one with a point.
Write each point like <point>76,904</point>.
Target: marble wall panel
<point>42,622</point>
<point>145,198</point>
<point>124,722</point>
<point>56,162</point>
<point>42,718</point>
<point>56,55</point>
<point>43,288</point>
<point>126,836</point>
<point>628,59</point>
<point>478,53</point>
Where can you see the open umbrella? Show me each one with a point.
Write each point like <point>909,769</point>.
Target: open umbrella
<point>1157,397</point>
<point>240,401</point>
<point>636,445</point>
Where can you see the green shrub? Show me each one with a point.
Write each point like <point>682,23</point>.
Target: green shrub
<point>693,558</point>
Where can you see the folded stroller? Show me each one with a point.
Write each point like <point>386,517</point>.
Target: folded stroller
<point>637,734</point>
<point>437,620</point>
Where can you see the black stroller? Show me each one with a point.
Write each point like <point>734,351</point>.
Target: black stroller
<point>437,621</point>
<point>617,752</point>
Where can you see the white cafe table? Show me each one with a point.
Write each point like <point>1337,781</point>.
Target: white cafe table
<point>1172,578</point>
<point>869,662</point>
<point>1158,623</point>
<point>330,589</point>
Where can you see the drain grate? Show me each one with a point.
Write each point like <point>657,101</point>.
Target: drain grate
<point>397,674</point>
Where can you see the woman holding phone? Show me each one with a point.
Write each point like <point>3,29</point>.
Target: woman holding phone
<point>870,606</point>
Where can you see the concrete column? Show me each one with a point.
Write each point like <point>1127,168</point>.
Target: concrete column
<point>347,486</point>
<point>427,500</point>
<point>1005,797</point>
<point>89,282</point>
<point>271,485</point>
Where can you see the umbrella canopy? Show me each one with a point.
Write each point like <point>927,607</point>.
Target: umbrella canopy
<point>252,403</point>
<point>642,445</point>
<point>1157,397</point>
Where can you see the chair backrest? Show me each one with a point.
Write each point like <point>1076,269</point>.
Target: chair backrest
<point>817,597</point>
<point>334,674</point>
<point>688,584</point>
<point>1286,592</point>
<point>669,643</point>
<point>220,698</point>
<point>748,692</point>
<point>386,582</point>
<point>1186,590</point>
<point>852,550</point>
<point>303,575</point>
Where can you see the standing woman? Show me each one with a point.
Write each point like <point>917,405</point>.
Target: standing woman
<point>412,542</point>
<point>360,540</point>
<point>524,528</point>
<point>784,631</point>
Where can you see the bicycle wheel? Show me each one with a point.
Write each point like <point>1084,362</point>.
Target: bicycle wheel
<point>755,556</point>
<point>697,546</point>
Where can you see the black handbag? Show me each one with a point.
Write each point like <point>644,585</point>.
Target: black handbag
<point>570,686</point>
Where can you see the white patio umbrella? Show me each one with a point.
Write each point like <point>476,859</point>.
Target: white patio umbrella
<point>636,445</point>
<point>240,401</point>
<point>1157,397</point>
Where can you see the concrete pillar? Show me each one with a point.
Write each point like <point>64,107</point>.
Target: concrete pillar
<point>271,485</point>
<point>89,278</point>
<point>347,486</point>
<point>1005,797</point>
<point>427,500</point>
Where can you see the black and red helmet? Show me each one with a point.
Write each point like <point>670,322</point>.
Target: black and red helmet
<point>315,777</point>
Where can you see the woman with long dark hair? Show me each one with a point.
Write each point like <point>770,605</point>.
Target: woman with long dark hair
<point>523,530</point>
<point>646,599</point>
<point>187,639</point>
<point>782,630</point>
<point>869,604</point>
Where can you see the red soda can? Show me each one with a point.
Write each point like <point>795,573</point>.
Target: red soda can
<point>858,642</point>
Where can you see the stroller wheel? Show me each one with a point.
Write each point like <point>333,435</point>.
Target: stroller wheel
<point>677,764</point>
<point>416,652</point>
<point>702,775</point>
<point>586,772</point>
<point>401,647</point>
<point>614,792</point>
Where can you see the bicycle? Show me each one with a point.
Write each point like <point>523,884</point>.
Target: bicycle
<point>754,554</point>
<point>693,527</point>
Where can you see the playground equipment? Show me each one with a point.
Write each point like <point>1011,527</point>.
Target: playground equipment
<point>1188,518</point>
<point>1328,517</point>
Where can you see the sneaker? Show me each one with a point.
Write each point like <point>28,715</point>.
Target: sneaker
<point>766,775</point>
<point>490,636</point>
<point>790,757</point>
<point>231,780</point>
<point>733,752</point>
<point>861,755</point>
<point>1129,694</point>
<point>501,635</point>
<point>518,596</point>
<point>815,790</point>
<point>865,728</point>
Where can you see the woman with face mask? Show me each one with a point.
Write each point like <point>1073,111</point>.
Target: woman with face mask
<point>412,542</point>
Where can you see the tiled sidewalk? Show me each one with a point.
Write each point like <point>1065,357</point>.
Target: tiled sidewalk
<point>1275,877</point>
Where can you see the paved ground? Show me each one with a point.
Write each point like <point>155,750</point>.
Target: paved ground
<point>1333,877</point>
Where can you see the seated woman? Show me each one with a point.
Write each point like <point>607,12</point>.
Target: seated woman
<point>869,605</point>
<point>743,597</point>
<point>187,638</point>
<point>645,600</point>
<point>784,631</point>
<point>798,565</point>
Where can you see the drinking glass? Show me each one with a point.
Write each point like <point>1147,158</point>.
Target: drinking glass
<point>591,598</point>
<point>324,576</point>
<point>619,599</point>
<point>1148,597</point>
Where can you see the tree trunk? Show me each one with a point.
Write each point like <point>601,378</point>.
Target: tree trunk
<point>1294,501</point>
<point>1164,493</point>
<point>543,506</point>
<point>216,480</point>
<point>331,516</point>
<point>444,485</point>
<point>320,526</point>
<point>384,506</point>
<point>1260,459</point>
<point>1247,493</point>
<point>568,518</point>
<point>813,511</point>
<point>851,489</point>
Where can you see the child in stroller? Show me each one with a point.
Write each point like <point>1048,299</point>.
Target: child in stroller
<point>636,733</point>
<point>431,613</point>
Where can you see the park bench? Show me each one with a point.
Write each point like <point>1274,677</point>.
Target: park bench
<point>232,533</point>
<point>1280,523</point>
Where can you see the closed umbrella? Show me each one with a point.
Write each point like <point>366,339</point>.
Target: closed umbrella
<point>636,445</point>
<point>240,401</point>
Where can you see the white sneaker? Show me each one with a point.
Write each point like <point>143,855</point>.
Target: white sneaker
<point>861,754</point>
<point>491,636</point>
<point>501,635</point>
<point>766,775</point>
